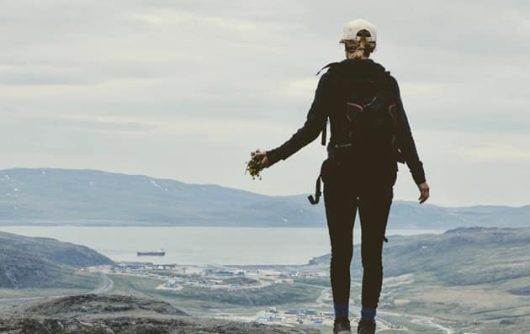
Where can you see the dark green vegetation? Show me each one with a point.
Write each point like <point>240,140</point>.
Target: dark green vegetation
<point>240,281</point>
<point>89,197</point>
<point>275,294</point>
<point>318,281</point>
<point>27,262</point>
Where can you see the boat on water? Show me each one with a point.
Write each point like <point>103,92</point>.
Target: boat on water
<point>160,252</point>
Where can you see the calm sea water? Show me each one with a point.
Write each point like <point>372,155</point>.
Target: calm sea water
<point>200,245</point>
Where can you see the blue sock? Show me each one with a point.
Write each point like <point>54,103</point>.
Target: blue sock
<point>368,313</point>
<point>341,310</point>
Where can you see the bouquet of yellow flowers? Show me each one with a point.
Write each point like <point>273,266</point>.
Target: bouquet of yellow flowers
<point>254,166</point>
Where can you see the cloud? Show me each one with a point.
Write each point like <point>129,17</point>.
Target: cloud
<point>45,75</point>
<point>87,124</point>
<point>496,152</point>
<point>300,88</point>
<point>85,82</point>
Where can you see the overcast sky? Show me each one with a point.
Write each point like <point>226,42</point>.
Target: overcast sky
<point>187,89</point>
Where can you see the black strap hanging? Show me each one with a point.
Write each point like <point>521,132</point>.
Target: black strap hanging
<point>324,130</point>
<point>318,192</point>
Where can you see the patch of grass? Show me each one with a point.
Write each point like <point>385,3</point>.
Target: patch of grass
<point>274,294</point>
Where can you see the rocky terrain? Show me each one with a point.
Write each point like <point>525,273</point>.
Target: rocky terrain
<point>116,314</point>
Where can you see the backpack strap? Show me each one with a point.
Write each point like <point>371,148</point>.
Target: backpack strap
<point>328,65</point>
<point>318,192</point>
<point>324,130</point>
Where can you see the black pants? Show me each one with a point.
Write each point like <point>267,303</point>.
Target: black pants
<point>346,189</point>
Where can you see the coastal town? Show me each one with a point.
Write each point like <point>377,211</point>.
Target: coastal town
<point>176,277</point>
<point>238,279</point>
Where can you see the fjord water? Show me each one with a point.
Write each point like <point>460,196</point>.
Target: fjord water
<point>201,245</point>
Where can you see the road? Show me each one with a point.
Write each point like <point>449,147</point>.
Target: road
<point>106,285</point>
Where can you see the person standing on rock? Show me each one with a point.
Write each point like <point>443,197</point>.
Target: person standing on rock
<point>370,134</point>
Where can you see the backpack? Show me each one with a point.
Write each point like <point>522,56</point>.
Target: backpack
<point>368,117</point>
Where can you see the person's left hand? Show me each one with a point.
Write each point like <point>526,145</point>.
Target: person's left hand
<point>262,158</point>
<point>424,192</point>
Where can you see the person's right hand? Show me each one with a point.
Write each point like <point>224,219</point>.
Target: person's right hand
<point>424,191</point>
<point>262,158</point>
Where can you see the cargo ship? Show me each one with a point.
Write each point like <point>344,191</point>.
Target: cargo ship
<point>152,253</point>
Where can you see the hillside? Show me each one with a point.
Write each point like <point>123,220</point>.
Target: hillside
<point>27,262</point>
<point>89,197</point>
<point>466,280</point>
<point>461,256</point>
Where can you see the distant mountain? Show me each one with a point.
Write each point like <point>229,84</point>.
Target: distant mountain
<point>90,197</point>
<point>27,262</point>
<point>95,197</point>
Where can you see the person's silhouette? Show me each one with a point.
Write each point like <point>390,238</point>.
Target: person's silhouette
<point>361,170</point>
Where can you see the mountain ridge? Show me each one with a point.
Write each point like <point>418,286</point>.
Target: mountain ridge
<point>58,196</point>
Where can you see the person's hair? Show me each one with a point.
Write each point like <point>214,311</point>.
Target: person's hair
<point>362,37</point>
<point>369,46</point>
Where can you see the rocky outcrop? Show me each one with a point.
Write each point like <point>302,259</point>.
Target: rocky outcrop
<point>102,304</point>
<point>144,325</point>
<point>115,314</point>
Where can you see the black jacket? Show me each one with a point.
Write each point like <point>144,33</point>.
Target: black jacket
<point>328,97</point>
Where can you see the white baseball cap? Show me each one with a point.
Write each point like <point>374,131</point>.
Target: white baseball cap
<point>352,28</point>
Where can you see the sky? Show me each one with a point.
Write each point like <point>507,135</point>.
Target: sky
<point>187,89</point>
